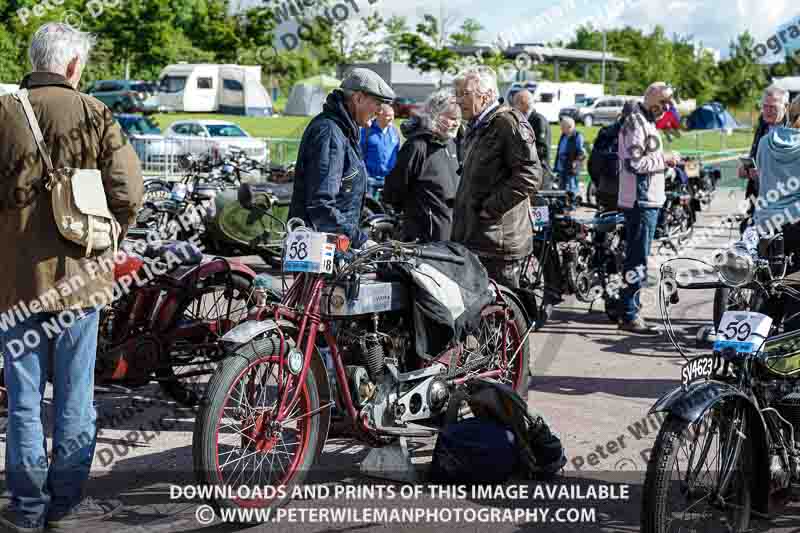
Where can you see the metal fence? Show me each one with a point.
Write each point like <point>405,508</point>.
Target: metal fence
<point>160,156</point>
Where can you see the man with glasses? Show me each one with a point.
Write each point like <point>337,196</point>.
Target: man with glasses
<point>330,175</point>
<point>641,195</point>
<point>773,113</point>
<point>499,174</point>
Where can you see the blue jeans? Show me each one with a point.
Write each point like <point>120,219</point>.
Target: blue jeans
<point>569,182</point>
<point>640,227</point>
<point>374,185</point>
<point>42,486</point>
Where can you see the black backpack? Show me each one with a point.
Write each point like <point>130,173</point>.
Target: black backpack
<point>603,164</point>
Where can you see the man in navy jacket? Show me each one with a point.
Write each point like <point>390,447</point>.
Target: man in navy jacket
<point>330,175</point>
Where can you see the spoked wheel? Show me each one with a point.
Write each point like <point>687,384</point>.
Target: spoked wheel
<point>496,344</point>
<point>212,311</point>
<point>238,441</point>
<point>698,475</point>
<point>531,288</point>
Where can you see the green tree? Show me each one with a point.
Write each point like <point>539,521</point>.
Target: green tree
<point>742,78</point>
<point>424,49</point>
<point>394,28</point>
<point>467,34</point>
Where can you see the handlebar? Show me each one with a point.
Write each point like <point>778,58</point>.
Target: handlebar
<point>254,195</point>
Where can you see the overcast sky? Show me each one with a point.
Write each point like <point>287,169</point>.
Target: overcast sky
<point>714,22</point>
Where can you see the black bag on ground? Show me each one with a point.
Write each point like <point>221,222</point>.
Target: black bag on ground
<point>504,438</point>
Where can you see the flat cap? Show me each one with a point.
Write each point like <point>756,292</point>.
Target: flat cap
<point>367,81</point>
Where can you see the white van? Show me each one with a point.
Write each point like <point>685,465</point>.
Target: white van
<point>204,88</point>
<point>550,97</point>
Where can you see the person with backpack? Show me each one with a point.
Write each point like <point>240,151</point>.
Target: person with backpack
<point>643,164</point>
<point>603,165</point>
<point>424,182</point>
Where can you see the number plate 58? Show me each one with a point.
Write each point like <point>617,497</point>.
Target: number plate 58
<point>308,252</point>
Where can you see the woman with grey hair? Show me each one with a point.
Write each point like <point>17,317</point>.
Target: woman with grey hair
<point>425,179</point>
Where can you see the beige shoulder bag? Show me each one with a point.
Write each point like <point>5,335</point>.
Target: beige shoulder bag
<point>79,201</point>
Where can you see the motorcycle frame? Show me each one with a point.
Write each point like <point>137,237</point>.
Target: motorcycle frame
<point>158,301</point>
<point>301,308</point>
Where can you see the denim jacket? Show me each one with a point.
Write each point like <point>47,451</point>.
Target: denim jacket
<point>330,176</point>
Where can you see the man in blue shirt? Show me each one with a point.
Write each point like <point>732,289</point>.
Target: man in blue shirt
<point>380,143</point>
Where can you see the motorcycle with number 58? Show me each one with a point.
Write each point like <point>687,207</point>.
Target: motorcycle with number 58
<point>266,413</point>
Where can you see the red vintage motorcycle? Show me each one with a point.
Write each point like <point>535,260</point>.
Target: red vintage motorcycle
<point>167,326</point>
<point>266,414</point>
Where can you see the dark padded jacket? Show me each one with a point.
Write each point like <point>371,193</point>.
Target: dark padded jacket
<point>330,176</point>
<point>423,183</point>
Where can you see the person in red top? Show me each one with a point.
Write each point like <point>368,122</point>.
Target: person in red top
<point>670,121</point>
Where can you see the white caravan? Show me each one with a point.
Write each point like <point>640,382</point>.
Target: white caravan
<point>550,97</point>
<point>203,88</point>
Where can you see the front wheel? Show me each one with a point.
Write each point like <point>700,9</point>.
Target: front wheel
<point>698,474</point>
<point>238,441</point>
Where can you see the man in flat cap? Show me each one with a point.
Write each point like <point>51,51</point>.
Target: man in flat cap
<point>330,175</point>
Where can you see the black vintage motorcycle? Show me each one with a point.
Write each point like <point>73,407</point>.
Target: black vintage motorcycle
<point>584,256</point>
<point>728,447</point>
<point>678,215</point>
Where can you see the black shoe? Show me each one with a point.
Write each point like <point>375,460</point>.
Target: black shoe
<point>88,510</point>
<point>638,325</point>
<point>10,521</point>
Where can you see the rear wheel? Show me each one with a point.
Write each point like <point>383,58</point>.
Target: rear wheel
<point>217,307</point>
<point>496,344</point>
<point>698,474</point>
<point>238,442</point>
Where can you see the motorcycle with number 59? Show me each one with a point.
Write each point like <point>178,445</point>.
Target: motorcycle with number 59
<point>266,414</point>
<point>729,447</point>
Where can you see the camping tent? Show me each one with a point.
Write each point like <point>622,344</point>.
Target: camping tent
<point>710,116</point>
<point>308,95</point>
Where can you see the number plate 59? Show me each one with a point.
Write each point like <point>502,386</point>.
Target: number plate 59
<point>742,331</point>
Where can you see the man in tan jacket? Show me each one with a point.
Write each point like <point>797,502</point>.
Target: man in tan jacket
<point>49,292</point>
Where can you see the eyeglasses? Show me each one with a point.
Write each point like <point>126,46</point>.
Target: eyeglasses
<point>461,96</point>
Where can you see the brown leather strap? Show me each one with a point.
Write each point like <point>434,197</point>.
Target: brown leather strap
<point>22,96</point>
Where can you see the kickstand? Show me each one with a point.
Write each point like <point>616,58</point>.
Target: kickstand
<point>391,462</point>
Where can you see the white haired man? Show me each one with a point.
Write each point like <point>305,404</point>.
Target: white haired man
<point>499,174</point>
<point>773,113</point>
<point>641,195</point>
<point>569,155</point>
<point>79,132</point>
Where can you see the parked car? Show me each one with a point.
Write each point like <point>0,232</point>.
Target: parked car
<point>126,96</point>
<point>576,111</point>
<point>405,107</point>
<point>154,150</point>
<point>604,110</point>
<point>216,136</point>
